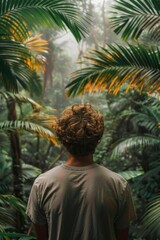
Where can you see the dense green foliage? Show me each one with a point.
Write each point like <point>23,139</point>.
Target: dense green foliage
<point>33,68</point>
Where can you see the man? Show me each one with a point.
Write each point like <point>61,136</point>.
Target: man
<point>80,200</point>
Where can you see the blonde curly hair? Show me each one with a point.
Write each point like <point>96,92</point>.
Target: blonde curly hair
<point>79,129</point>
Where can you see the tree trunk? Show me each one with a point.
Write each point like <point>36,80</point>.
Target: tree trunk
<point>15,152</point>
<point>16,162</point>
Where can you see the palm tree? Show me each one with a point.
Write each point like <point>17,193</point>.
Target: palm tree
<point>36,122</point>
<point>17,70</point>
<point>17,20</point>
<point>143,144</point>
<point>135,65</point>
<point>111,67</point>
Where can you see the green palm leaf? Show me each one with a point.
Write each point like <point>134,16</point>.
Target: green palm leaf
<point>15,72</point>
<point>151,223</point>
<point>17,15</point>
<point>20,99</point>
<point>6,217</point>
<point>13,235</point>
<point>134,142</point>
<point>29,126</point>
<point>149,122</point>
<point>29,171</point>
<point>113,67</point>
<point>13,51</point>
<point>132,17</point>
<point>131,174</point>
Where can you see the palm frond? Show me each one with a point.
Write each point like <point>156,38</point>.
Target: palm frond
<point>42,119</point>
<point>6,218</point>
<point>151,223</point>
<point>12,235</point>
<point>132,17</point>
<point>29,126</point>
<point>150,122</point>
<point>36,44</point>
<point>134,142</point>
<point>13,51</point>
<point>29,171</point>
<point>151,37</point>
<point>16,16</point>
<point>11,203</point>
<point>131,174</point>
<point>18,64</point>
<point>20,99</point>
<point>114,66</point>
<point>3,140</point>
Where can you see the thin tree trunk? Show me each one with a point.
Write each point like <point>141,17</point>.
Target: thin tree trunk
<point>15,152</point>
<point>16,162</point>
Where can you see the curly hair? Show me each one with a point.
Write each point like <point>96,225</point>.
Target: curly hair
<point>79,129</point>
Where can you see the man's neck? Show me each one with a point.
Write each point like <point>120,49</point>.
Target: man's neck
<point>79,161</point>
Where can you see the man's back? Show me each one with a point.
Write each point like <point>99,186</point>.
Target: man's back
<point>81,203</point>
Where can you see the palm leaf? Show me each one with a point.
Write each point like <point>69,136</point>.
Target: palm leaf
<point>13,51</point>
<point>151,223</point>
<point>29,126</point>
<point>132,17</point>
<point>20,99</point>
<point>29,171</point>
<point>134,142</point>
<point>150,123</point>
<point>36,44</point>
<point>6,217</point>
<point>13,235</point>
<point>17,15</point>
<point>111,68</point>
<point>15,72</point>
<point>131,174</point>
<point>13,202</point>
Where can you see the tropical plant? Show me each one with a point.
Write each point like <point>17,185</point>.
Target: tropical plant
<point>111,67</point>
<point>17,18</point>
<point>21,58</point>
<point>35,122</point>
<point>17,52</point>
<point>133,66</point>
<point>140,141</point>
<point>12,203</point>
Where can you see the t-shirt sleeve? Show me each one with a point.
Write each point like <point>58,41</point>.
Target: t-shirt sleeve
<point>34,211</point>
<point>126,211</point>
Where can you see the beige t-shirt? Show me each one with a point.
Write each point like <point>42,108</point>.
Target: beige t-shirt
<point>81,203</point>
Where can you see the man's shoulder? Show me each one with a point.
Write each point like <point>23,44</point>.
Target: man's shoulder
<point>113,176</point>
<point>48,175</point>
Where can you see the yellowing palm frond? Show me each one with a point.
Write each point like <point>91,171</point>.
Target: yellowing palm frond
<point>114,66</point>
<point>30,127</point>
<point>37,44</point>
<point>20,99</point>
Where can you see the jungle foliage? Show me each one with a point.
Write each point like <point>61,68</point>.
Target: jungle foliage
<point>121,79</point>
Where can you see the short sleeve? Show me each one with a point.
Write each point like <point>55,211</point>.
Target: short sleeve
<point>126,211</point>
<point>34,211</point>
